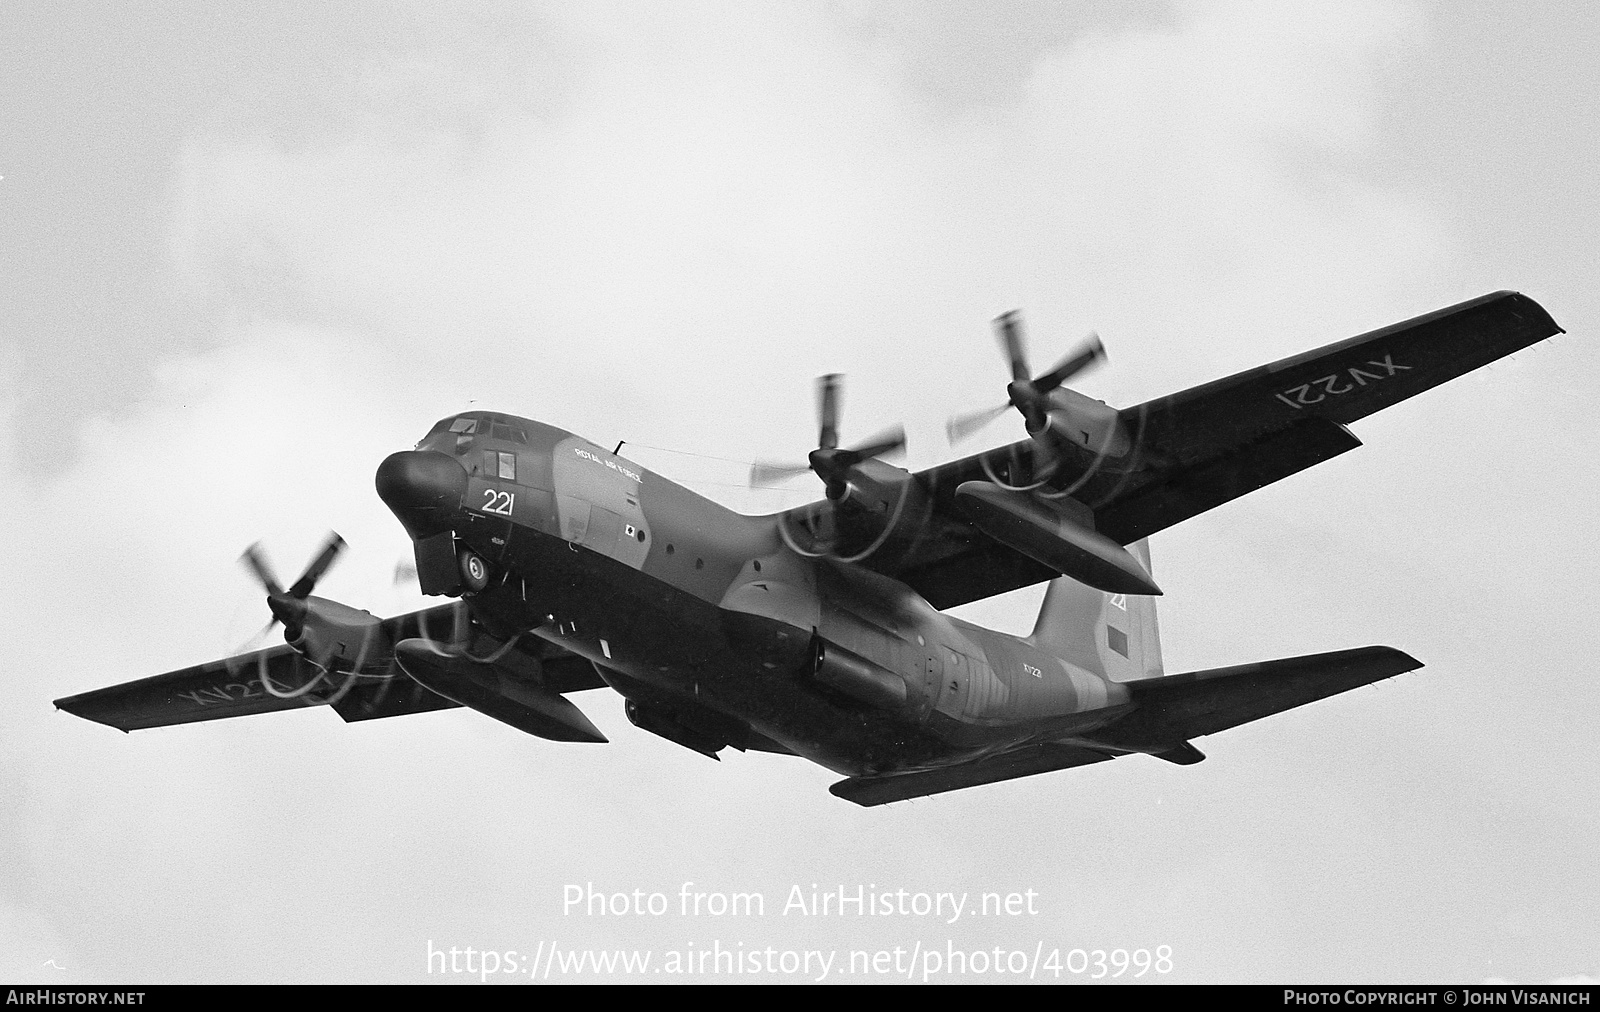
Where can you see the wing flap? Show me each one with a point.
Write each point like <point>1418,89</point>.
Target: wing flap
<point>1174,708</point>
<point>1024,762</point>
<point>1194,490</point>
<point>391,697</point>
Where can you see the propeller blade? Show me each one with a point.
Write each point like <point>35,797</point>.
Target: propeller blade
<point>319,566</point>
<point>768,473</point>
<point>1081,358</point>
<point>888,442</point>
<point>828,411</point>
<point>959,427</point>
<point>257,564</point>
<point>252,644</point>
<point>1008,327</point>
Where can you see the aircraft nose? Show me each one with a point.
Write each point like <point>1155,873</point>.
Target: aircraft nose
<point>423,488</point>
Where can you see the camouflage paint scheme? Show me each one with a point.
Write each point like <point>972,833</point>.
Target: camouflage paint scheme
<point>725,630</point>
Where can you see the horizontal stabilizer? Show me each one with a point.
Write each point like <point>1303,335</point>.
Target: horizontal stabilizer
<point>1024,762</point>
<point>1172,709</point>
<point>1184,755</point>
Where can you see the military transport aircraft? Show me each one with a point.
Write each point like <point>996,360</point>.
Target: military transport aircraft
<point>819,632</point>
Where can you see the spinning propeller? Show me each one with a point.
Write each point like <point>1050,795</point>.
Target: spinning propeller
<point>290,607</point>
<point>1031,397</point>
<point>330,635</point>
<point>829,461</point>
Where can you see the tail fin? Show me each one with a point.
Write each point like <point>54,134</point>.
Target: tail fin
<point>1114,635</point>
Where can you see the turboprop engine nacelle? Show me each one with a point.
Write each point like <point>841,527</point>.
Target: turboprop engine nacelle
<point>334,635</point>
<point>1050,536</point>
<point>1091,424</point>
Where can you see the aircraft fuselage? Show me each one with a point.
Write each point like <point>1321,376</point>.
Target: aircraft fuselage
<point>711,623</point>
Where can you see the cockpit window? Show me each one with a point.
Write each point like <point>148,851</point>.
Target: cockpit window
<point>508,466</point>
<point>469,430</point>
<point>509,432</point>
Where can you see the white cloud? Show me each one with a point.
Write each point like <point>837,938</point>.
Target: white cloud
<point>734,202</point>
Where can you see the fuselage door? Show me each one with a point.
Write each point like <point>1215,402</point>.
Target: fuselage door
<point>604,526</point>
<point>574,517</point>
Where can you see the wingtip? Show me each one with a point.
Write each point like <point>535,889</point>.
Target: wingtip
<point>82,706</point>
<point>1400,657</point>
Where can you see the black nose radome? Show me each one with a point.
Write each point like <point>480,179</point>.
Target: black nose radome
<point>423,488</point>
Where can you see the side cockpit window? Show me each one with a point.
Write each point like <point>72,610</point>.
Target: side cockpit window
<point>500,464</point>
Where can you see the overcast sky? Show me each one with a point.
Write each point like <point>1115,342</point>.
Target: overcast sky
<point>245,254</point>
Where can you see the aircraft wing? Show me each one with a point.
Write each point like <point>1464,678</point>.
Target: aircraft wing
<point>236,686</point>
<point>1287,415</point>
<point>1194,450</point>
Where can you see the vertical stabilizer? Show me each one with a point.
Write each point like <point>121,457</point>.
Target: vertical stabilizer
<point>1113,635</point>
